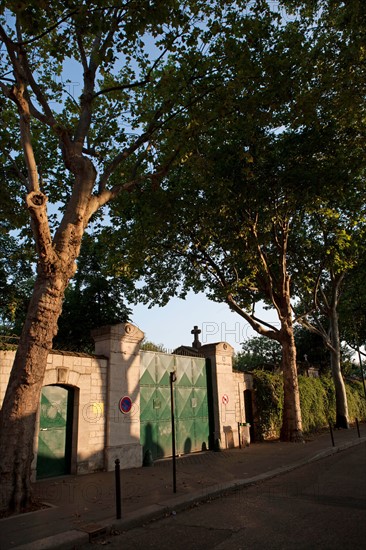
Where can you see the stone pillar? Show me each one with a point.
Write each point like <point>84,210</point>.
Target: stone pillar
<point>226,409</point>
<point>121,345</point>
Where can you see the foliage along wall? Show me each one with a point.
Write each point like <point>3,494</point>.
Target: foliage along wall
<point>317,398</point>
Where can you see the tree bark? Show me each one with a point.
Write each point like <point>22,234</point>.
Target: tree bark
<point>56,266</point>
<point>291,429</point>
<point>342,418</point>
<point>21,401</point>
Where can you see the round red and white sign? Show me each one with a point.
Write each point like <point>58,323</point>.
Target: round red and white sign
<point>225,399</point>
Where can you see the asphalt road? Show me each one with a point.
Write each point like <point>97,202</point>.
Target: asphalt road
<point>319,506</point>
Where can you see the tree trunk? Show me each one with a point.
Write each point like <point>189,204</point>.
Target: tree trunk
<point>21,401</point>
<point>339,386</point>
<point>291,429</point>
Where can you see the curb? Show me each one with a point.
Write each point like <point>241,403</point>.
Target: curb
<point>63,541</point>
<point>69,540</point>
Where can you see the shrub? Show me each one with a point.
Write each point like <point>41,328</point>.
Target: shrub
<point>317,399</point>
<point>356,400</point>
<point>268,403</point>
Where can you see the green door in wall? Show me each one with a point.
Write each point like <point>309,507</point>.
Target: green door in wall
<point>55,431</point>
<point>190,399</point>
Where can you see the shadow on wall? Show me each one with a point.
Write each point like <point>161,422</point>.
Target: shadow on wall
<point>229,437</point>
<point>152,449</point>
<point>187,446</point>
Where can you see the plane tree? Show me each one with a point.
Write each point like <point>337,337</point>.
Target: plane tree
<point>222,224</point>
<point>88,89</point>
<point>227,221</point>
<point>100,101</point>
<point>333,233</point>
<point>331,246</point>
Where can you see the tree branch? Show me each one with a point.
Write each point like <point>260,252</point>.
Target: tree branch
<point>219,275</point>
<point>274,333</point>
<point>337,282</point>
<point>127,152</point>
<point>84,60</point>
<point>137,83</point>
<point>11,49</point>
<point>96,56</point>
<point>36,203</point>
<point>319,331</point>
<point>285,278</point>
<point>107,195</point>
<point>267,284</point>
<point>25,136</point>
<point>120,87</point>
<point>21,176</point>
<point>48,30</point>
<point>24,74</point>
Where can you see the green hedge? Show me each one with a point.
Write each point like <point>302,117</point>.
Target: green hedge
<point>268,399</point>
<point>317,398</point>
<point>356,400</point>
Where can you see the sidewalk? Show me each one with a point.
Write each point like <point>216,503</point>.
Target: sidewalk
<point>83,507</point>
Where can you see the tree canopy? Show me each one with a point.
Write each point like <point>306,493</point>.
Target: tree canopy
<point>258,352</point>
<point>280,151</point>
<point>88,92</point>
<point>201,134</point>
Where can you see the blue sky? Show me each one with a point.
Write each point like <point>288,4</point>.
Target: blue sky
<point>171,325</point>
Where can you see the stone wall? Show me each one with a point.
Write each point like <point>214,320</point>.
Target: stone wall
<point>121,345</point>
<point>88,376</point>
<point>101,431</point>
<point>228,393</point>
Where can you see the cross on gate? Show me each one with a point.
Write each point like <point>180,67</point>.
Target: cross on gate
<point>196,331</point>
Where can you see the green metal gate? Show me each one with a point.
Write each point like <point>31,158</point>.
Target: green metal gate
<point>190,397</point>
<point>55,431</point>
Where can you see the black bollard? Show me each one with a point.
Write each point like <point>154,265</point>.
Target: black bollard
<point>331,433</point>
<point>172,380</point>
<point>358,427</point>
<point>117,472</point>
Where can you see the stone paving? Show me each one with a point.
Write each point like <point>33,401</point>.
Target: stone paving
<point>82,507</point>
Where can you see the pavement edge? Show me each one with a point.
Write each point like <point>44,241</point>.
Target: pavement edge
<point>71,540</point>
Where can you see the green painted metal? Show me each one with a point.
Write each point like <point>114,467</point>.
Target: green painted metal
<point>190,397</point>
<point>55,427</point>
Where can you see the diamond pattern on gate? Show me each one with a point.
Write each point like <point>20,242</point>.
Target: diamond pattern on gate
<point>184,370</point>
<point>183,403</point>
<point>165,365</point>
<point>201,410</point>
<point>199,372</point>
<point>146,398</point>
<point>190,387</point>
<point>163,394</point>
<point>147,368</point>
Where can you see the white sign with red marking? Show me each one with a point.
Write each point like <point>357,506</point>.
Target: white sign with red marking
<point>225,399</point>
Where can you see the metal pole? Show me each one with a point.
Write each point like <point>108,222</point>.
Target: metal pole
<point>358,427</point>
<point>117,472</point>
<point>331,433</point>
<point>172,380</point>
<point>361,368</point>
